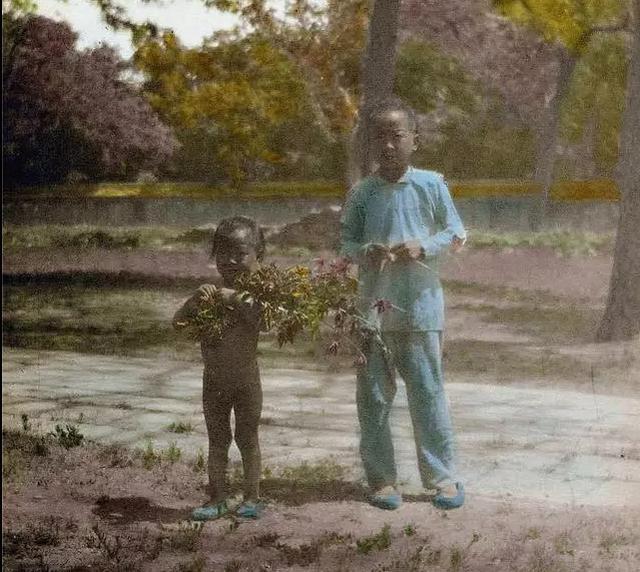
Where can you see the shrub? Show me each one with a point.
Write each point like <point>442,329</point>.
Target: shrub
<point>68,436</point>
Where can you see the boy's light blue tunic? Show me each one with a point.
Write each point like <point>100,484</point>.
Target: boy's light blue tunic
<point>417,207</point>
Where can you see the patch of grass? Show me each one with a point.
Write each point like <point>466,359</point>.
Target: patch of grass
<point>173,453</point>
<point>409,529</point>
<point>456,558</point>
<point>70,317</point>
<point>558,323</point>
<point>68,436</point>
<point>254,191</point>
<point>200,463</point>
<point>314,474</point>
<point>26,426</point>
<point>27,444</point>
<point>507,361</point>
<point>379,541</point>
<point>180,427</point>
<point>150,458</point>
<point>563,242</point>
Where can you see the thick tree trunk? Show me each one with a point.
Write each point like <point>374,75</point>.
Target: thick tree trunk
<point>378,73</point>
<point>621,319</point>
<point>547,131</point>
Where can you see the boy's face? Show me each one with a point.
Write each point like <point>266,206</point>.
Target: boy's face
<point>236,256</point>
<point>394,141</point>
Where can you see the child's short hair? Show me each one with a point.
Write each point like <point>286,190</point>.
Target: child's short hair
<point>228,226</point>
<point>393,103</point>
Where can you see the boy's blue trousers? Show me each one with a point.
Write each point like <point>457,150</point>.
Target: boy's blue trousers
<point>417,358</point>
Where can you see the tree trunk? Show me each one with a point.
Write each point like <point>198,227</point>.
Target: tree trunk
<point>621,319</point>
<point>378,74</point>
<point>547,132</point>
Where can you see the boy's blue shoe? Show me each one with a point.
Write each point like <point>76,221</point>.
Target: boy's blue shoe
<point>447,502</point>
<point>249,509</point>
<point>387,498</point>
<point>210,512</point>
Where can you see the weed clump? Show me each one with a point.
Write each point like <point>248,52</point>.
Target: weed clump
<point>314,474</point>
<point>173,453</point>
<point>200,464</point>
<point>180,427</point>
<point>379,541</point>
<point>150,458</point>
<point>68,436</point>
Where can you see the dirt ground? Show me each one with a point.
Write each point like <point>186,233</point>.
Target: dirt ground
<point>107,507</point>
<point>98,508</point>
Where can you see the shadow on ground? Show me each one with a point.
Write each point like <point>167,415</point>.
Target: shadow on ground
<point>125,510</point>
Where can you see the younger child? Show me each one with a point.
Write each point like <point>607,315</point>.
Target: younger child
<point>231,377</point>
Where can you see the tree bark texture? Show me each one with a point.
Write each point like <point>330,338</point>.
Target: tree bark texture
<point>621,319</point>
<point>378,74</point>
<point>547,130</point>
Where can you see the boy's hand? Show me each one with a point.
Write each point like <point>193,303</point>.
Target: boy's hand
<point>410,250</point>
<point>376,253</point>
<point>207,292</point>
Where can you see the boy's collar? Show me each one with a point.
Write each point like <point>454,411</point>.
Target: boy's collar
<point>407,175</point>
<point>404,179</point>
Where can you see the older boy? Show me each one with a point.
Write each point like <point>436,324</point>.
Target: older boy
<point>395,225</point>
<point>231,377</point>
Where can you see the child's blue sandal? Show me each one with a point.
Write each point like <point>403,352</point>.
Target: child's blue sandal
<point>250,509</point>
<point>210,512</point>
<point>386,499</point>
<point>445,502</point>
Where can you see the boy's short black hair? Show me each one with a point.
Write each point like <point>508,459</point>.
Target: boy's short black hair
<point>393,103</point>
<point>228,226</point>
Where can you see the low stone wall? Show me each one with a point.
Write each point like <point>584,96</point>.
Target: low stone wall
<point>508,213</point>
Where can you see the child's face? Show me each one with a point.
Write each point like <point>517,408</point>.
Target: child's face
<point>394,141</point>
<point>236,256</point>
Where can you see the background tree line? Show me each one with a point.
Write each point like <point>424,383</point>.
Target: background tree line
<point>277,97</point>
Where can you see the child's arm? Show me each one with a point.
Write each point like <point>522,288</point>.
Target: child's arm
<point>353,246</point>
<point>190,308</point>
<point>447,218</point>
<point>352,227</point>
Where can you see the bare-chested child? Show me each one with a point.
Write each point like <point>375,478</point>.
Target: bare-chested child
<point>231,379</point>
